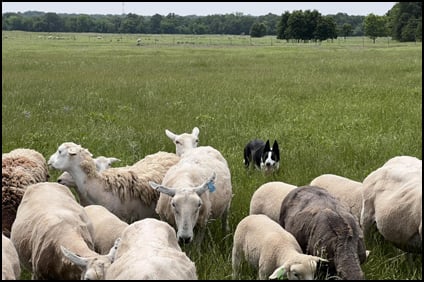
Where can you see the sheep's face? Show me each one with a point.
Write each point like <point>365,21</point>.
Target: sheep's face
<point>66,156</point>
<point>301,271</point>
<point>186,206</point>
<point>185,141</point>
<point>96,268</point>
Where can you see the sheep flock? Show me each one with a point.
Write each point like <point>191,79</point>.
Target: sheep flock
<point>102,220</point>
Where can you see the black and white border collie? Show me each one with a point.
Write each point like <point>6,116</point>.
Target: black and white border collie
<point>262,155</point>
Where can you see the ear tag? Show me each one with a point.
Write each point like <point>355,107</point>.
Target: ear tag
<point>211,187</point>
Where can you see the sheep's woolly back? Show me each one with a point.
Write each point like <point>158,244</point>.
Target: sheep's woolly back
<point>20,168</point>
<point>133,181</point>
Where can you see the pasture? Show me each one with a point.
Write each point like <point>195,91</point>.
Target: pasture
<point>344,108</point>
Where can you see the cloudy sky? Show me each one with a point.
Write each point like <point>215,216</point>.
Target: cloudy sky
<point>199,8</point>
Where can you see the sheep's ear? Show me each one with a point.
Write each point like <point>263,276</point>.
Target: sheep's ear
<point>278,273</point>
<point>209,184</point>
<point>73,151</point>
<point>112,160</point>
<point>195,131</point>
<point>76,259</point>
<point>162,189</point>
<point>171,135</point>
<point>112,251</point>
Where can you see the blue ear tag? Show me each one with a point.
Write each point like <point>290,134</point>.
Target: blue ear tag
<point>211,187</point>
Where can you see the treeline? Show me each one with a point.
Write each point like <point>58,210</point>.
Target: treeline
<point>234,24</point>
<point>403,22</point>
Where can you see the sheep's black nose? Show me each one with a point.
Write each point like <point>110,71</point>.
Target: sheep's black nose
<point>184,240</point>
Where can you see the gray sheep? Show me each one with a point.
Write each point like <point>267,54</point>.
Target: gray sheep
<point>324,227</point>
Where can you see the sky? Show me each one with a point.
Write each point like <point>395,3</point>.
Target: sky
<point>199,8</point>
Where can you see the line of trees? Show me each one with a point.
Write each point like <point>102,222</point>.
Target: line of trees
<point>403,22</point>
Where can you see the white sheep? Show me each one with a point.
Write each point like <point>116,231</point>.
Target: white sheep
<point>102,163</point>
<point>348,191</point>
<point>185,141</point>
<point>20,168</point>
<point>10,266</point>
<point>268,197</point>
<point>47,218</point>
<point>107,227</point>
<point>392,200</point>
<point>122,190</point>
<point>149,251</point>
<point>196,189</point>
<point>265,245</point>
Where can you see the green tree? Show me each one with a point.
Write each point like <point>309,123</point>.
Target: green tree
<point>346,30</point>
<point>375,26</point>
<point>326,28</point>
<point>283,25</point>
<point>258,30</point>
<point>405,21</point>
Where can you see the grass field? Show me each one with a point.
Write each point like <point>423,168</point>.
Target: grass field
<point>344,108</point>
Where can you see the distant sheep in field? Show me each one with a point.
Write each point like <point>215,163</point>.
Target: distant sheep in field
<point>10,266</point>
<point>268,197</point>
<point>196,189</point>
<point>270,249</point>
<point>324,227</point>
<point>107,227</point>
<point>124,191</point>
<point>20,168</point>
<point>185,141</point>
<point>392,201</point>
<point>47,219</point>
<point>346,190</point>
<point>102,163</point>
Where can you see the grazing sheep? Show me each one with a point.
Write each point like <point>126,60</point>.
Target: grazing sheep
<point>270,249</point>
<point>107,227</point>
<point>20,168</point>
<point>392,200</point>
<point>10,267</point>
<point>346,190</point>
<point>47,218</point>
<point>102,163</point>
<point>268,197</point>
<point>190,195</point>
<point>122,190</point>
<point>323,226</point>
<point>184,141</point>
<point>148,250</point>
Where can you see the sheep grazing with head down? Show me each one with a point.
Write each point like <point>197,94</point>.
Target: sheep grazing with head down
<point>47,219</point>
<point>324,227</point>
<point>107,227</point>
<point>124,191</point>
<point>348,191</point>
<point>196,189</point>
<point>10,266</point>
<point>102,163</point>
<point>148,250</point>
<point>270,249</point>
<point>185,141</point>
<point>392,201</point>
<point>268,197</point>
<point>20,168</point>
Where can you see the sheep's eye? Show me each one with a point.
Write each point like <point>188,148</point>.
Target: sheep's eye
<point>177,142</point>
<point>197,141</point>
<point>173,205</point>
<point>59,151</point>
<point>199,204</point>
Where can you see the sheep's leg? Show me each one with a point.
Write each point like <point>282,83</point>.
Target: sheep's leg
<point>236,260</point>
<point>367,215</point>
<point>224,222</point>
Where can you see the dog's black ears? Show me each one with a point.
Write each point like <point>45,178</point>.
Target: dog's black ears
<point>267,146</point>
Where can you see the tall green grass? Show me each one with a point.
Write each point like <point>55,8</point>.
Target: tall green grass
<point>341,107</point>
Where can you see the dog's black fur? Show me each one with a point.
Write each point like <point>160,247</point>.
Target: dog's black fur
<point>262,155</point>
